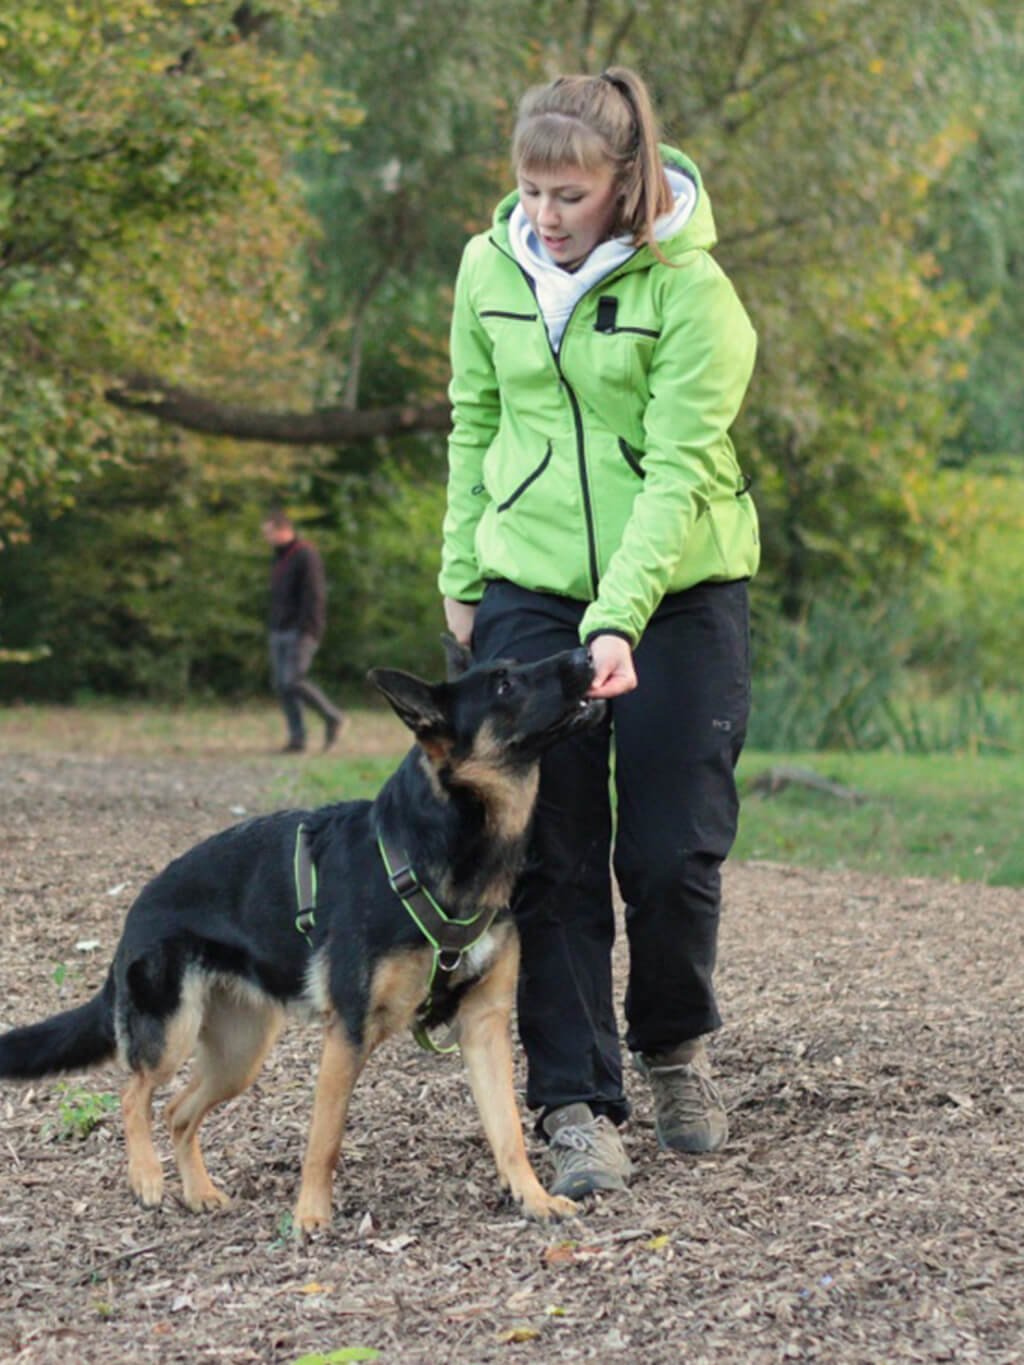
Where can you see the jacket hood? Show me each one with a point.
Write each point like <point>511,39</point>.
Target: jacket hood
<point>697,232</point>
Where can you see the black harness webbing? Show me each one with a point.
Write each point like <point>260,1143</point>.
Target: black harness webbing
<point>449,938</point>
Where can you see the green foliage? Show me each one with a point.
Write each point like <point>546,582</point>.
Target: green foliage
<point>840,678</point>
<point>974,225</point>
<point>115,128</point>
<point>968,627</point>
<point>156,586</point>
<point>397,611</point>
<point>81,1110</point>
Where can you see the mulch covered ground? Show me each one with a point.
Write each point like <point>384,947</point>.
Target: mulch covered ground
<point>869,1206</point>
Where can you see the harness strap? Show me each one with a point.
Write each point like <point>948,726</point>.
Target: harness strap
<point>448,937</point>
<point>305,882</point>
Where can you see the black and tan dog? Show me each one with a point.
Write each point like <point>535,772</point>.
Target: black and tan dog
<point>408,924</point>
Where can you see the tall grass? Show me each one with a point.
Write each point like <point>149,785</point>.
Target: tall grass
<point>846,677</point>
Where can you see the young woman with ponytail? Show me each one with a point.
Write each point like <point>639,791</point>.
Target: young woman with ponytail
<point>599,357</point>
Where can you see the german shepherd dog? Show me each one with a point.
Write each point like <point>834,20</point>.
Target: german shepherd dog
<point>213,955</point>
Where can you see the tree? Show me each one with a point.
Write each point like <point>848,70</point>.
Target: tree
<point>120,130</point>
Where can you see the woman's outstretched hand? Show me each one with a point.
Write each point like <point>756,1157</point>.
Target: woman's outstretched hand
<point>613,666</point>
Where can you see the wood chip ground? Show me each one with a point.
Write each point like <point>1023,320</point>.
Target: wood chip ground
<point>869,1206</point>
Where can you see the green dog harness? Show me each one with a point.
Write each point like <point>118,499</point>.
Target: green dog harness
<point>450,938</point>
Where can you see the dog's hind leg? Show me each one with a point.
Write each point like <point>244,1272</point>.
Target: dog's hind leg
<point>485,1040</point>
<point>340,1066</point>
<point>179,1033</point>
<point>236,1035</point>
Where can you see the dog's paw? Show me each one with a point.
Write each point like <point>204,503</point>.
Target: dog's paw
<point>205,1198</point>
<point>147,1182</point>
<point>551,1208</point>
<point>309,1217</point>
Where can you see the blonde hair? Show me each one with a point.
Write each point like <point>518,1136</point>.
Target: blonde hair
<point>591,121</point>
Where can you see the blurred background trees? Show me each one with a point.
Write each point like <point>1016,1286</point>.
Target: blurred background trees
<point>259,209</point>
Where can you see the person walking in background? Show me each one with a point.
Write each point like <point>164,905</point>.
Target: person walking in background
<point>298,602</point>
<point>599,357</point>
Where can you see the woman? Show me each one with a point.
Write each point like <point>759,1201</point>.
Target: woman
<point>599,357</point>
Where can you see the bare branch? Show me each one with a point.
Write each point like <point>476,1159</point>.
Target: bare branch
<point>590,9</point>
<point>151,397</point>
<point>618,36</point>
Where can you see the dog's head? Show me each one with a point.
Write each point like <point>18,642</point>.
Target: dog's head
<point>505,714</point>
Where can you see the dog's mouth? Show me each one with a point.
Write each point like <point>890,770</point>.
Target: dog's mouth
<point>578,715</point>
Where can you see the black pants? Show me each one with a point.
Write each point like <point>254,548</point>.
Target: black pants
<point>677,739</point>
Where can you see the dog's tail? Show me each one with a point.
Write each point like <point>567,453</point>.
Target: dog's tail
<point>71,1041</point>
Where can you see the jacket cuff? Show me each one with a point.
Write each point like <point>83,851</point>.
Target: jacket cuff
<point>592,635</point>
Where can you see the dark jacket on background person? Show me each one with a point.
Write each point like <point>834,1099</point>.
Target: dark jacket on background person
<point>298,590</point>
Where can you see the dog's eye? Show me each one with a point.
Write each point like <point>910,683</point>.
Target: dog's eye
<point>504,687</point>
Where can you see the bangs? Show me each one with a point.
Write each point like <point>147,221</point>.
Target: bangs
<point>546,142</point>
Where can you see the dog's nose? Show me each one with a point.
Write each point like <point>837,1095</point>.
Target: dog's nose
<point>578,666</point>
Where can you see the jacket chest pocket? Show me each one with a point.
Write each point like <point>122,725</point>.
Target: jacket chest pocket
<point>622,358</point>
<point>513,338</point>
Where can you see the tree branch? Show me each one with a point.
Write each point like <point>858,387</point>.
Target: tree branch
<point>151,397</point>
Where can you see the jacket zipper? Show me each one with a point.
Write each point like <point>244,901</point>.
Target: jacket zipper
<point>577,417</point>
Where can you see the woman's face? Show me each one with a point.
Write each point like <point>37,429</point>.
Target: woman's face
<point>571,209</point>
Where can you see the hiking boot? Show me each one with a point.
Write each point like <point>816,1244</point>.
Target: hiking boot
<point>332,729</point>
<point>689,1115</point>
<point>587,1151</point>
<point>294,746</point>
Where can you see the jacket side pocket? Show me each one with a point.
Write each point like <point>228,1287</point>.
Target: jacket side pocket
<point>632,458</point>
<point>530,478</point>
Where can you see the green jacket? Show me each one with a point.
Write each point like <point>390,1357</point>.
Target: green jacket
<point>604,473</point>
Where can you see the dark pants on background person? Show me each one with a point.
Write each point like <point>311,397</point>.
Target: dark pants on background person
<point>291,657</point>
<point>677,739</point>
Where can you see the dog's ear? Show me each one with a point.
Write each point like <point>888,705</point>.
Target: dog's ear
<point>415,702</point>
<point>458,657</point>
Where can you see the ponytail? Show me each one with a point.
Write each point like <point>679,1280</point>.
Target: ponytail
<point>589,121</point>
<point>646,191</point>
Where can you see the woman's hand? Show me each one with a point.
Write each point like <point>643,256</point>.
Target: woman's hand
<point>613,666</point>
<point>460,617</point>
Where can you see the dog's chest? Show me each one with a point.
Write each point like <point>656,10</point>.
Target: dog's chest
<point>478,959</point>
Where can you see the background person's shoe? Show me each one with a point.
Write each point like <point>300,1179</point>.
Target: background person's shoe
<point>333,729</point>
<point>294,746</point>
<point>587,1152</point>
<point>689,1115</point>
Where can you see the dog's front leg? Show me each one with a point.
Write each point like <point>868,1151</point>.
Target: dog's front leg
<point>484,1036</point>
<point>340,1065</point>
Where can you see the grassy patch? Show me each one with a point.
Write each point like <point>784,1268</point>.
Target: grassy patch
<point>951,816</point>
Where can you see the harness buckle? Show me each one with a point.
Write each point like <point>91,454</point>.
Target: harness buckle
<point>448,959</point>
<point>403,881</point>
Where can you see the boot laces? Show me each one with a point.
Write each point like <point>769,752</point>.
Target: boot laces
<point>580,1140</point>
<point>685,1091</point>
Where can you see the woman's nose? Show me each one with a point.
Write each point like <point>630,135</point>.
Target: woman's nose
<point>547,214</point>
